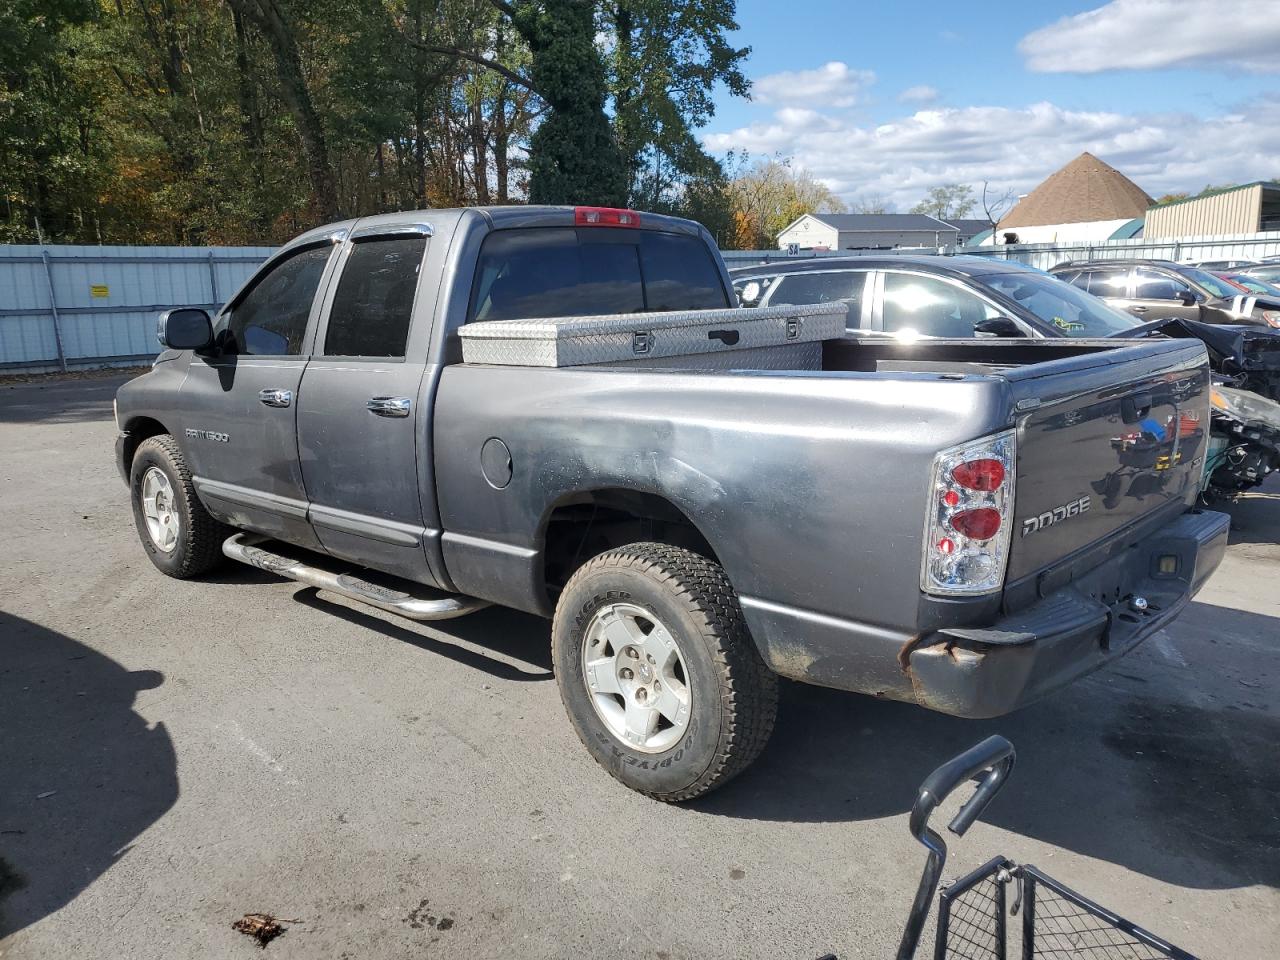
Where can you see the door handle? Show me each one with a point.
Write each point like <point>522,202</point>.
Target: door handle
<point>275,398</point>
<point>1137,309</point>
<point>389,406</point>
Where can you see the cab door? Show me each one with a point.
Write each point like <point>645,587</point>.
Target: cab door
<point>361,419</point>
<point>1157,295</point>
<point>239,413</point>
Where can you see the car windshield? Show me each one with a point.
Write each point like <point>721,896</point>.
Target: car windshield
<point>1253,284</point>
<point>1062,306</point>
<point>1215,285</point>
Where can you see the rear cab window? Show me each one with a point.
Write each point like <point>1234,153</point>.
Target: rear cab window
<point>573,272</point>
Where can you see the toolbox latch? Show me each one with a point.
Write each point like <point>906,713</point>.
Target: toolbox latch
<point>793,328</point>
<point>641,342</point>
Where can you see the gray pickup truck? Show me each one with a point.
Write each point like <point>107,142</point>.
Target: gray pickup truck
<point>962,525</point>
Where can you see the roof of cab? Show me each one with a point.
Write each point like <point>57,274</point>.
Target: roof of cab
<point>498,218</point>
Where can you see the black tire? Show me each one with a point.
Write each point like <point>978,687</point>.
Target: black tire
<point>199,544</point>
<point>733,695</point>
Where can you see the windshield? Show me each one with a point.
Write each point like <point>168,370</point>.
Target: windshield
<point>1060,305</point>
<point>1215,285</point>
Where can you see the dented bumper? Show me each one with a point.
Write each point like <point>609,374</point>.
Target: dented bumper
<point>989,671</point>
<point>986,671</point>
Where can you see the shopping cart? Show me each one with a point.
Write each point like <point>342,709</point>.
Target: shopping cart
<point>973,912</point>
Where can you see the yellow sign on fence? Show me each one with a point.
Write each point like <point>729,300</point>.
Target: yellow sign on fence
<point>99,290</point>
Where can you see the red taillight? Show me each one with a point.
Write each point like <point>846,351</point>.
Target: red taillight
<point>605,217</point>
<point>984,475</point>
<point>981,523</point>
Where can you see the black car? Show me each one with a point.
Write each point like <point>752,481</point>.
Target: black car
<point>928,296</point>
<point>1160,289</point>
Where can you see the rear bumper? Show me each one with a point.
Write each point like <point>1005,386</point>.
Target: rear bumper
<point>989,671</point>
<point>992,670</point>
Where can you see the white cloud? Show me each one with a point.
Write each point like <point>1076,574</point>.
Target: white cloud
<point>923,93</point>
<point>834,84</point>
<point>1014,148</point>
<point>1151,34</point>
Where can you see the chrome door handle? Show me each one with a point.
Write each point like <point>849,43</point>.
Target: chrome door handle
<point>389,406</point>
<point>275,398</point>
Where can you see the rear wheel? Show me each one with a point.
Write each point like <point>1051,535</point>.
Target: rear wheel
<point>178,534</point>
<point>658,673</point>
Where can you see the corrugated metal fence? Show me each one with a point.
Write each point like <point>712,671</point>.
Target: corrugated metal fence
<point>63,307</point>
<point>70,306</point>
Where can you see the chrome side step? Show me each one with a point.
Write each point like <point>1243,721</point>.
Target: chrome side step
<point>244,547</point>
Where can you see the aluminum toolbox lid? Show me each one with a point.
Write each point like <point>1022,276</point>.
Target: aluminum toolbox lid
<point>569,328</point>
<point>619,338</point>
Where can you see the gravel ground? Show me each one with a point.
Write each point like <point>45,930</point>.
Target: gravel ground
<point>175,755</point>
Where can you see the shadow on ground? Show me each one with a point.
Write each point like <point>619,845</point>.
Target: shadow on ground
<point>496,630</point>
<point>59,401</point>
<point>1120,768</point>
<point>81,774</point>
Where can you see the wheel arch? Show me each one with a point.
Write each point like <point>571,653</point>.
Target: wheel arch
<point>583,524</point>
<point>135,430</point>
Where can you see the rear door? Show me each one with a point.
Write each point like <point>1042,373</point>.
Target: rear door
<point>847,286</point>
<point>359,411</point>
<point>239,400</point>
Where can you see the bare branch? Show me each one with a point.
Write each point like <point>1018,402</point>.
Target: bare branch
<point>483,61</point>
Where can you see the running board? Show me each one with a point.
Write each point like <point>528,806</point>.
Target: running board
<point>244,547</point>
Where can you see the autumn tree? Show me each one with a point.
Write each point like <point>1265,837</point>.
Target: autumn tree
<point>770,194</point>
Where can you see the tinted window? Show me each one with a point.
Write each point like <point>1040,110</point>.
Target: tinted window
<point>1109,282</point>
<point>374,301</point>
<point>557,272</point>
<point>271,318</point>
<point>1151,285</point>
<point>930,307</point>
<point>679,273</point>
<point>801,288</point>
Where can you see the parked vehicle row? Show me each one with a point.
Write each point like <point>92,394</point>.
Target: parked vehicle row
<point>913,297</point>
<point>559,410</point>
<point>1157,289</point>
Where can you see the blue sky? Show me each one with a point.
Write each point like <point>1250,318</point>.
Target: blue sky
<point>882,100</point>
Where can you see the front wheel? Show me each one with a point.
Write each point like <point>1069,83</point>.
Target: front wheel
<point>179,535</point>
<point>658,673</point>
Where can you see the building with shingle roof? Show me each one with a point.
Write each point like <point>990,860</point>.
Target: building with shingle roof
<point>1088,199</point>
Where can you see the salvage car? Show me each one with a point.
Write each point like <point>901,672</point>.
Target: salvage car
<point>558,410</point>
<point>913,297</point>
<point>1160,289</point>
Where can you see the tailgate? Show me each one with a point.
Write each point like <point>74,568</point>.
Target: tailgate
<point>1105,440</point>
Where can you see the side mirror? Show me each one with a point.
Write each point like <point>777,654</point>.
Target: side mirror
<point>1186,298</point>
<point>749,295</point>
<point>184,328</point>
<point>997,327</point>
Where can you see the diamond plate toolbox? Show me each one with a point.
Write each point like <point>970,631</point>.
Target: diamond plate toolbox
<point>574,341</point>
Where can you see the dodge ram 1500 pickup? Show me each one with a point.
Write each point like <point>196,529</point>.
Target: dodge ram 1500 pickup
<point>557,410</point>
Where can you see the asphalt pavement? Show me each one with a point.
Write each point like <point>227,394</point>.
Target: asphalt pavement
<point>174,755</point>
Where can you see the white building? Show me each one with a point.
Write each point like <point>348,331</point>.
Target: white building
<point>868,231</point>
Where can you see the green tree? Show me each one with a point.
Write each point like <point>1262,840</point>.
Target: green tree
<point>666,59</point>
<point>573,157</point>
<point>951,200</point>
